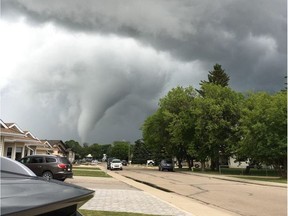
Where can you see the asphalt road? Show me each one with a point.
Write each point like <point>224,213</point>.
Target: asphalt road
<point>238,198</point>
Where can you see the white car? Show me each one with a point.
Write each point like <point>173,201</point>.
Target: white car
<point>116,164</point>
<point>150,163</point>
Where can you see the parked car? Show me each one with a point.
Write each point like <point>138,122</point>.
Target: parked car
<point>124,162</point>
<point>166,164</point>
<point>116,164</point>
<point>94,162</point>
<point>150,163</point>
<point>23,193</point>
<point>49,166</point>
<point>109,160</point>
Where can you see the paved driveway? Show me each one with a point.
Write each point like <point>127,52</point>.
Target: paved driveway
<point>114,195</point>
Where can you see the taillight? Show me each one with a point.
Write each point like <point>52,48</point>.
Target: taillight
<point>62,166</point>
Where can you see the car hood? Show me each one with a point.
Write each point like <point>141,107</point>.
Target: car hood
<point>31,195</point>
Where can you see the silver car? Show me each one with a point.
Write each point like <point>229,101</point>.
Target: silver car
<point>116,164</point>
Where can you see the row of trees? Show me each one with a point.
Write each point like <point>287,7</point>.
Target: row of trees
<point>217,122</point>
<point>118,149</point>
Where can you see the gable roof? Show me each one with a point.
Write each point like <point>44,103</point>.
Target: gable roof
<point>59,143</point>
<point>3,125</point>
<point>29,134</point>
<point>15,127</point>
<point>45,142</point>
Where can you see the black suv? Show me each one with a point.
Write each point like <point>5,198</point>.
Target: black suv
<point>166,164</point>
<point>109,160</point>
<point>49,166</point>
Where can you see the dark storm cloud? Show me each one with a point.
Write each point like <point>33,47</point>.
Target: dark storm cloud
<point>182,39</point>
<point>227,32</point>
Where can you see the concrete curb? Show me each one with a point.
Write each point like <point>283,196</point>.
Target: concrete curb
<point>183,203</point>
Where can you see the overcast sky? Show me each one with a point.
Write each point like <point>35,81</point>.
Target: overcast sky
<point>93,71</point>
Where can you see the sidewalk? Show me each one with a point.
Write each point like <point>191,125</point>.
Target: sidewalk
<point>111,194</point>
<point>187,205</point>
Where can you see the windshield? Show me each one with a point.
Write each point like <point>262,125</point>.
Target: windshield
<point>64,160</point>
<point>116,161</point>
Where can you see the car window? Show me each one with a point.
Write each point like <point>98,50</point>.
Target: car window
<point>64,160</point>
<point>167,161</point>
<point>116,161</point>
<point>36,160</point>
<point>50,160</point>
<point>25,160</point>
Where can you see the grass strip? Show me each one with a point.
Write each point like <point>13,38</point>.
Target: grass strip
<point>90,173</point>
<point>86,167</point>
<point>108,213</point>
<point>277,180</point>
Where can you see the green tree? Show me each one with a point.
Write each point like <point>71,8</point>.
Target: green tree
<point>120,150</point>
<point>263,127</point>
<point>217,76</point>
<point>94,150</point>
<point>217,115</point>
<point>105,149</point>
<point>141,153</point>
<point>176,107</point>
<point>75,147</point>
<point>155,136</point>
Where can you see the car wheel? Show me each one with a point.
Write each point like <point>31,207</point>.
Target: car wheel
<point>47,175</point>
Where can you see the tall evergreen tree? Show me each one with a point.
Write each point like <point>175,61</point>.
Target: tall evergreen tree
<point>217,76</point>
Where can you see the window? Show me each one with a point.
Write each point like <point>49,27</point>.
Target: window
<point>9,152</point>
<point>36,160</point>
<point>64,160</point>
<point>25,160</point>
<point>18,155</point>
<point>50,160</point>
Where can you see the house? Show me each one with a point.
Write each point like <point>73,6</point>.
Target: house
<point>60,148</point>
<point>16,143</point>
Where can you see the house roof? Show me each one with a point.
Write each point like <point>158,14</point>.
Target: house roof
<point>46,143</point>
<point>3,125</point>
<point>29,134</point>
<point>24,139</point>
<point>59,143</point>
<point>11,132</point>
<point>15,127</point>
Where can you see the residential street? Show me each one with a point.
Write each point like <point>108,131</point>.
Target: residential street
<point>237,198</point>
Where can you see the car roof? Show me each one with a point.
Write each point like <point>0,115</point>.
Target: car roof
<point>44,155</point>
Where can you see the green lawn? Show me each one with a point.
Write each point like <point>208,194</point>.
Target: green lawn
<point>238,171</point>
<point>267,179</point>
<point>86,167</point>
<point>107,213</point>
<point>89,172</point>
<point>255,174</point>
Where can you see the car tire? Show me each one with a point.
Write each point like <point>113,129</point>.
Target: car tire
<point>47,175</point>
